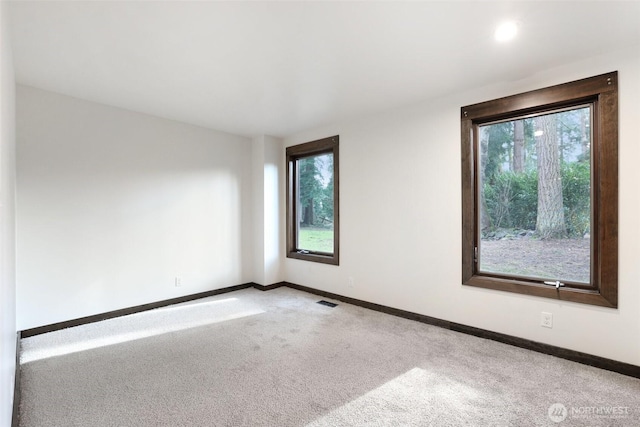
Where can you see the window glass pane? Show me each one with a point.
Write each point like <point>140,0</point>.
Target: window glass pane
<point>315,203</point>
<point>535,196</point>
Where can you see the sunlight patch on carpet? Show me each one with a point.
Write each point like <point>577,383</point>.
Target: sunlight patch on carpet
<point>413,398</point>
<point>134,327</point>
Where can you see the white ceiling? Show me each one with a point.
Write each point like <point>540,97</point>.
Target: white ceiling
<point>254,68</point>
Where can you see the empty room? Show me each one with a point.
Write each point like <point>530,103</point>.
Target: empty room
<point>319,213</point>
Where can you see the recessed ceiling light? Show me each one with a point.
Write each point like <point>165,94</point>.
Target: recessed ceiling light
<point>506,31</point>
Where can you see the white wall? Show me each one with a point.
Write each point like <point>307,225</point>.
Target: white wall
<point>7,223</point>
<point>113,205</point>
<point>257,178</point>
<point>268,195</point>
<point>274,221</point>
<point>400,214</point>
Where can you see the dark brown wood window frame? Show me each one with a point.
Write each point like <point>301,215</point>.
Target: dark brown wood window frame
<point>293,153</point>
<point>601,92</point>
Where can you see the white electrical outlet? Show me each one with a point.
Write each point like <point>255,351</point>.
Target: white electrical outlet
<point>546,319</point>
<point>178,281</point>
<point>352,282</point>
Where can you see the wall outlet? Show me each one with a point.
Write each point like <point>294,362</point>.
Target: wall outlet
<point>546,319</point>
<point>178,281</point>
<point>351,283</point>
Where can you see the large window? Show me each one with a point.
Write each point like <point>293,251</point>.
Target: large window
<point>313,202</point>
<point>540,196</point>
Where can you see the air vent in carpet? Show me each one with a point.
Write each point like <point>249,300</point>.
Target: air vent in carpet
<point>327,303</point>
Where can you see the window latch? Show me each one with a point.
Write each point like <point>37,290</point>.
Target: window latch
<point>475,254</point>
<point>302,251</point>
<point>557,284</point>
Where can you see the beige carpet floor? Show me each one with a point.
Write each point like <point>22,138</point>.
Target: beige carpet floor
<point>277,358</point>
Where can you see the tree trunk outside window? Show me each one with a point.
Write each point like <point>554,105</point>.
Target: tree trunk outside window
<point>550,220</point>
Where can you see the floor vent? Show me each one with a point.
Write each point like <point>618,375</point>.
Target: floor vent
<point>327,303</point>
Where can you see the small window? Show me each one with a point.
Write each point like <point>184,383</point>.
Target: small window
<point>313,202</point>
<point>540,192</point>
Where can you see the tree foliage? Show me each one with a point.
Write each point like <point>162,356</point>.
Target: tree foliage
<point>576,191</point>
<point>315,190</point>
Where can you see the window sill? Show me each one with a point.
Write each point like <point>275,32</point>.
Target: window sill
<point>323,259</point>
<point>584,296</point>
